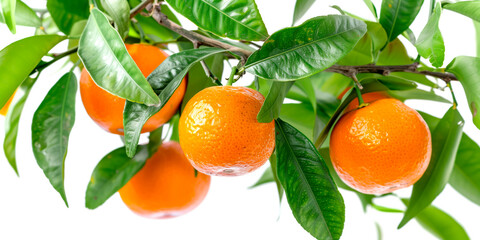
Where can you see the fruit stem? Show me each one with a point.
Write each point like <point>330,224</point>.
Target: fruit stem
<point>232,74</point>
<point>455,104</point>
<point>359,95</point>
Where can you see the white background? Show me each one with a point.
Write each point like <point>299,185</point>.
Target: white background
<point>31,209</point>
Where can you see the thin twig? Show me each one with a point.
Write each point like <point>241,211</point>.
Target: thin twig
<point>193,36</point>
<point>205,67</point>
<point>137,9</point>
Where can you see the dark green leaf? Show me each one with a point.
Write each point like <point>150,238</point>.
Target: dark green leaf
<point>174,122</point>
<point>9,12</point>
<point>445,141</point>
<point>440,224</point>
<point>396,16</point>
<point>25,16</point>
<point>312,195</point>
<point>24,55</point>
<point>66,13</point>
<point>106,59</point>
<point>467,8</point>
<point>112,173</point>
<point>430,42</point>
<point>311,47</point>
<point>12,120</point>
<point>119,10</point>
<point>371,7</point>
<point>301,7</point>
<point>164,80</point>
<point>417,94</point>
<point>198,80</point>
<point>154,140</point>
<point>51,126</point>
<point>467,70</point>
<point>239,19</point>
<point>273,102</point>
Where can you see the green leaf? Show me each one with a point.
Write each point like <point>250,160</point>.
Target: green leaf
<point>25,16</point>
<point>394,53</point>
<point>311,47</point>
<point>440,224</point>
<point>112,173</point>
<point>266,177</point>
<point>155,31</point>
<point>416,93</point>
<point>301,7</point>
<point>239,19</point>
<point>119,10</point>
<point>198,80</point>
<point>445,141</point>
<point>301,116</point>
<point>8,12</point>
<point>12,121</point>
<point>361,54</point>
<point>24,55</point>
<point>467,8</point>
<point>273,102</point>
<point>164,80</point>
<point>106,59</point>
<point>312,195</point>
<point>273,164</point>
<point>410,36</point>
<point>396,16</point>
<point>465,177</point>
<point>174,123</point>
<point>76,31</point>
<point>476,25</point>
<point>371,7</point>
<point>430,42</point>
<point>378,35</point>
<point>51,126</point>
<point>66,13</point>
<point>467,70</point>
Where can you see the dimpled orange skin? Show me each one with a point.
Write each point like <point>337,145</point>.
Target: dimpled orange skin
<point>106,109</point>
<point>166,186</point>
<point>220,134</point>
<point>4,109</point>
<point>380,148</point>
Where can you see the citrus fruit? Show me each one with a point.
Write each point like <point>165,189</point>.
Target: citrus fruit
<point>167,186</point>
<point>4,109</point>
<point>380,148</point>
<point>220,134</point>
<point>106,109</point>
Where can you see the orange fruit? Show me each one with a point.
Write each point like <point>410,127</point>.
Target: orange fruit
<point>367,97</point>
<point>380,148</point>
<point>220,134</point>
<point>166,186</point>
<point>106,109</point>
<point>4,109</point>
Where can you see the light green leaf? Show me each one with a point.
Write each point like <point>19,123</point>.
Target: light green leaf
<point>371,7</point>
<point>25,16</point>
<point>12,121</point>
<point>164,80</point>
<point>18,60</point>
<point>266,177</point>
<point>467,8</point>
<point>417,94</point>
<point>445,141</point>
<point>119,10</point>
<point>273,102</point>
<point>467,70</point>
<point>8,12</point>
<point>361,54</point>
<point>430,42</point>
<point>301,7</point>
<point>66,13</point>
<point>377,34</point>
<point>239,19</point>
<point>51,126</point>
<point>312,195</point>
<point>311,47</point>
<point>106,59</point>
<point>396,16</point>
<point>477,33</point>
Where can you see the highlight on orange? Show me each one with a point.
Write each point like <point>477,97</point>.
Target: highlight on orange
<point>5,107</point>
<point>106,109</point>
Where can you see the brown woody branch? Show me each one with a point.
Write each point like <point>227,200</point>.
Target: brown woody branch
<point>139,8</point>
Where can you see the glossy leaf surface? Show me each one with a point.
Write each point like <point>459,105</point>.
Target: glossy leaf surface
<point>66,13</point>
<point>119,10</point>
<point>396,16</point>
<point>445,141</point>
<point>273,102</point>
<point>312,195</point>
<point>106,59</point>
<point>233,19</point>
<point>164,80</point>
<point>51,126</point>
<point>24,54</point>
<point>301,7</point>
<point>430,43</point>
<point>299,52</point>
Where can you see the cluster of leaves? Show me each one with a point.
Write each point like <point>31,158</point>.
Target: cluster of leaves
<point>292,63</point>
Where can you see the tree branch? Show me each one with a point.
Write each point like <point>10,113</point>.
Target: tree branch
<point>194,37</point>
<point>137,9</point>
